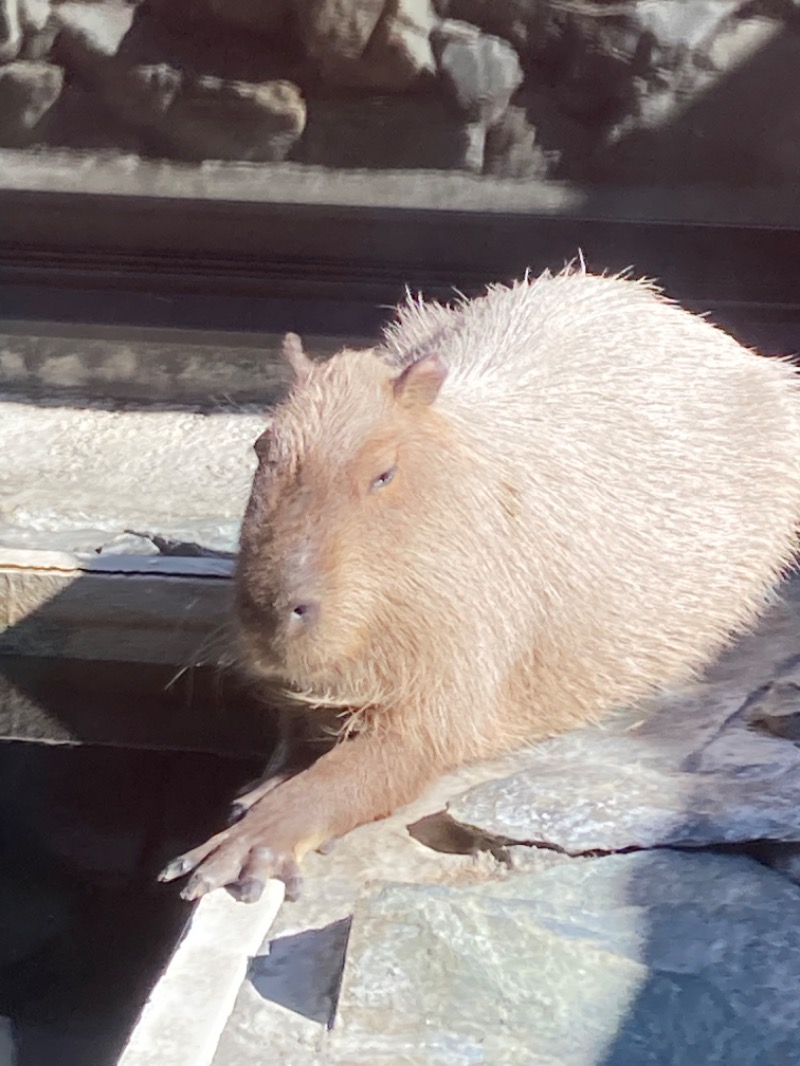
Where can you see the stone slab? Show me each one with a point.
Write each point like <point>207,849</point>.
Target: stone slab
<point>655,957</point>
<point>185,1013</point>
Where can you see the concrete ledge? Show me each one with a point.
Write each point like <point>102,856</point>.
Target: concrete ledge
<point>185,1014</point>
<point>143,609</point>
<point>150,366</point>
<point>118,174</point>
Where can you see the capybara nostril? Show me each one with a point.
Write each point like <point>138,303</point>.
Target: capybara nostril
<point>304,614</point>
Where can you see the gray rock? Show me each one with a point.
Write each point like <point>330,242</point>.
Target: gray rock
<point>657,957</point>
<point>716,123</point>
<point>512,151</point>
<point>399,54</point>
<point>369,44</point>
<point>28,91</point>
<point>20,22</point>
<point>139,96</point>
<point>206,117</point>
<point>617,804</point>
<point>90,34</point>
<point>481,72</point>
<point>337,29</point>
<point>690,25</point>
<point>521,22</point>
<point>215,119</point>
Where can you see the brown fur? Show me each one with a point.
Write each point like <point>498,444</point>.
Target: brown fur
<point>592,491</point>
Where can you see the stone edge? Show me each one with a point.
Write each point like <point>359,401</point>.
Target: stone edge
<point>185,1014</point>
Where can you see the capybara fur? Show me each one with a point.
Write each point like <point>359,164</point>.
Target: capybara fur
<point>514,514</point>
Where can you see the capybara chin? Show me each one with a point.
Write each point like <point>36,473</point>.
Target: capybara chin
<point>512,515</point>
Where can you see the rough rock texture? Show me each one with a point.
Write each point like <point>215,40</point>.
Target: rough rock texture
<point>617,804</point>
<point>28,91</point>
<point>654,957</point>
<point>21,22</point>
<point>209,118</point>
<point>511,149</point>
<point>368,44</point>
<point>738,123</point>
<point>482,72</point>
<point>635,92</point>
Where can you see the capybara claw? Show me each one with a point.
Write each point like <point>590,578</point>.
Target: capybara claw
<point>175,869</point>
<point>232,861</point>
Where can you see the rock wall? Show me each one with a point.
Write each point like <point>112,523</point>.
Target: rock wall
<point>597,91</point>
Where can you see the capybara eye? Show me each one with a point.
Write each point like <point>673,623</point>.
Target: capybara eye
<point>383,479</point>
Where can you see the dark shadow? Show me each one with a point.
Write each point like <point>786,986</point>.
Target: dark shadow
<point>714,965</point>
<point>85,928</point>
<point>303,972</point>
<point>136,765</point>
<point>441,833</point>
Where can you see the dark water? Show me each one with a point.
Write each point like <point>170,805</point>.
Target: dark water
<point>84,927</point>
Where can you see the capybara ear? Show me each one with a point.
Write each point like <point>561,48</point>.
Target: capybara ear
<point>420,382</point>
<point>292,352</point>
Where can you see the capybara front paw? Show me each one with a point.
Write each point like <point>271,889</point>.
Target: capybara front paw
<point>234,859</point>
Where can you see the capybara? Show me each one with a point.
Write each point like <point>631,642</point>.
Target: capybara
<point>511,516</point>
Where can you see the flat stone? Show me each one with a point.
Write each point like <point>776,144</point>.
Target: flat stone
<point>655,957</point>
<point>616,804</point>
<point>95,474</point>
<point>128,544</point>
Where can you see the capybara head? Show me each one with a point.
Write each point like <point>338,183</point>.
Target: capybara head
<point>341,467</point>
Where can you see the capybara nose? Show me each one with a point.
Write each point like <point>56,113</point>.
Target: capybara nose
<point>303,614</point>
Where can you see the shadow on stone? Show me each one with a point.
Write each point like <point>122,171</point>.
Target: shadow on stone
<point>722,957</point>
<point>442,833</point>
<point>303,972</point>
